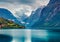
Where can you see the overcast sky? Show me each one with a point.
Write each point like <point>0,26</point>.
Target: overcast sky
<point>27,6</point>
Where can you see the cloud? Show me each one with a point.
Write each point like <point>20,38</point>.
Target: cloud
<point>24,9</point>
<point>19,1</point>
<point>25,5</point>
<point>29,2</point>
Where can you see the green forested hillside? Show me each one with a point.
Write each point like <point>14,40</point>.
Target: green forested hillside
<point>4,23</point>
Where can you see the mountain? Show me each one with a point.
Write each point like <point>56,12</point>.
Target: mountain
<point>21,15</point>
<point>33,17</point>
<point>4,13</point>
<point>50,15</point>
<point>4,23</point>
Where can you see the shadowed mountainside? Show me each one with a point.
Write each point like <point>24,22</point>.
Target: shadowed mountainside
<point>50,15</point>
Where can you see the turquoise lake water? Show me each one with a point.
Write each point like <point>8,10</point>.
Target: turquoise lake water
<point>28,35</point>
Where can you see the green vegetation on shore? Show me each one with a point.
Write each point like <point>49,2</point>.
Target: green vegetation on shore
<point>4,23</point>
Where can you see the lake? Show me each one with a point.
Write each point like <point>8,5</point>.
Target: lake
<point>28,35</point>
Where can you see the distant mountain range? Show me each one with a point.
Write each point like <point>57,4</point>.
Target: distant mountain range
<point>33,17</point>
<point>46,16</point>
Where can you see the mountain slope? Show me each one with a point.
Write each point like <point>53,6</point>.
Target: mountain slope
<point>50,15</point>
<point>4,23</point>
<point>33,17</point>
<point>8,15</point>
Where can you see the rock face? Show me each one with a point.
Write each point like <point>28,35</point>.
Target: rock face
<point>50,15</point>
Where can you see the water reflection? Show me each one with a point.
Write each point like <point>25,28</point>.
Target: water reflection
<point>5,38</point>
<point>54,35</point>
<point>39,36</point>
<point>18,35</point>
